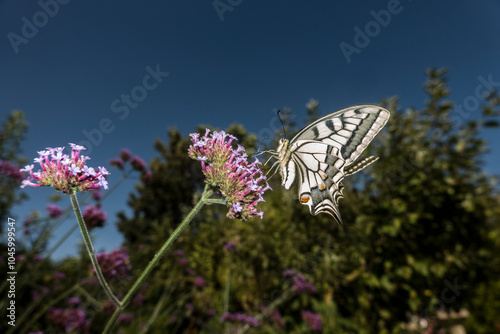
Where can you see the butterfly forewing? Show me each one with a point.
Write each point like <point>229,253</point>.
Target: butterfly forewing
<point>320,152</point>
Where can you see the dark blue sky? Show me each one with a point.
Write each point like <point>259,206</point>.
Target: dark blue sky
<point>70,67</point>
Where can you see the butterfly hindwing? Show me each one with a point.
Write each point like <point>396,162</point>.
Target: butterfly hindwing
<point>320,174</point>
<point>320,152</point>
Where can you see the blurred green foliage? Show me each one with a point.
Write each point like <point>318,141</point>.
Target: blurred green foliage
<point>421,237</point>
<point>12,133</point>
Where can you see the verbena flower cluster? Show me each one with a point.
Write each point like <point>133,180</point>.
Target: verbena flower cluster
<point>314,321</point>
<point>11,170</point>
<point>125,156</point>
<point>230,246</point>
<point>300,284</point>
<point>54,210</point>
<point>199,282</point>
<point>239,317</point>
<point>93,216</point>
<point>241,183</point>
<point>65,173</point>
<point>69,320</point>
<point>115,263</point>
<point>125,318</point>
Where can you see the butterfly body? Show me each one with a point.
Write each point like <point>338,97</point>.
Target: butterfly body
<point>322,153</point>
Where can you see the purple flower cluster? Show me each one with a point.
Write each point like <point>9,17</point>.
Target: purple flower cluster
<point>96,194</point>
<point>54,210</point>
<point>230,246</point>
<point>73,301</point>
<point>241,183</point>
<point>277,319</point>
<point>10,170</point>
<point>314,321</point>
<point>178,253</point>
<point>70,320</point>
<point>114,263</point>
<point>125,156</point>
<point>299,283</point>
<point>59,275</point>
<point>65,173</point>
<point>139,299</point>
<point>138,164</point>
<point>239,317</point>
<point>94,216</point>
<point>125,319</point>
<point>199,282</point>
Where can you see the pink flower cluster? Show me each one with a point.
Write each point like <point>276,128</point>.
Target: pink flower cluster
<point>65,173</point>
<point>239,317</point>
<point>54,210</point>
<point>69,320</point>
<point>10,170</point>
<point>226,168</point>
<point>125,156</point>
<point>300,284</point>
<point>314,321</point>
<point>115,263</point>
<point>94,216</point>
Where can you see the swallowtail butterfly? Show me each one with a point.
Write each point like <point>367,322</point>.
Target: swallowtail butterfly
<point>325,152</point>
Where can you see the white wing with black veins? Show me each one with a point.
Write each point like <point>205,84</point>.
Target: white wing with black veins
<point>322,152</point>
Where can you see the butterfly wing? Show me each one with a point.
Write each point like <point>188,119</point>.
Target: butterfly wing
<point>321,171</point>
<point>320,152</point>
<point>350,129</point>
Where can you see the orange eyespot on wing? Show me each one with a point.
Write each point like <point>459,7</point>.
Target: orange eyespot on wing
<point>305,198</point>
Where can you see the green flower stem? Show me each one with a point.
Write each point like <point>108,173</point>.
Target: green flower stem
<point>216,201</point>
<point>90,249</point>
<point>205,199</point>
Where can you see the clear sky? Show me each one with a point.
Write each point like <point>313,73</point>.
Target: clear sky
<point>123,72</point>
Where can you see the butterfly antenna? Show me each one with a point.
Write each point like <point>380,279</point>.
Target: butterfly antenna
<point>281,121</point>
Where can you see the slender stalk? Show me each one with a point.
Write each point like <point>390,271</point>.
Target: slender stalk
<point>90,249</point>
<point>204,200</point>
